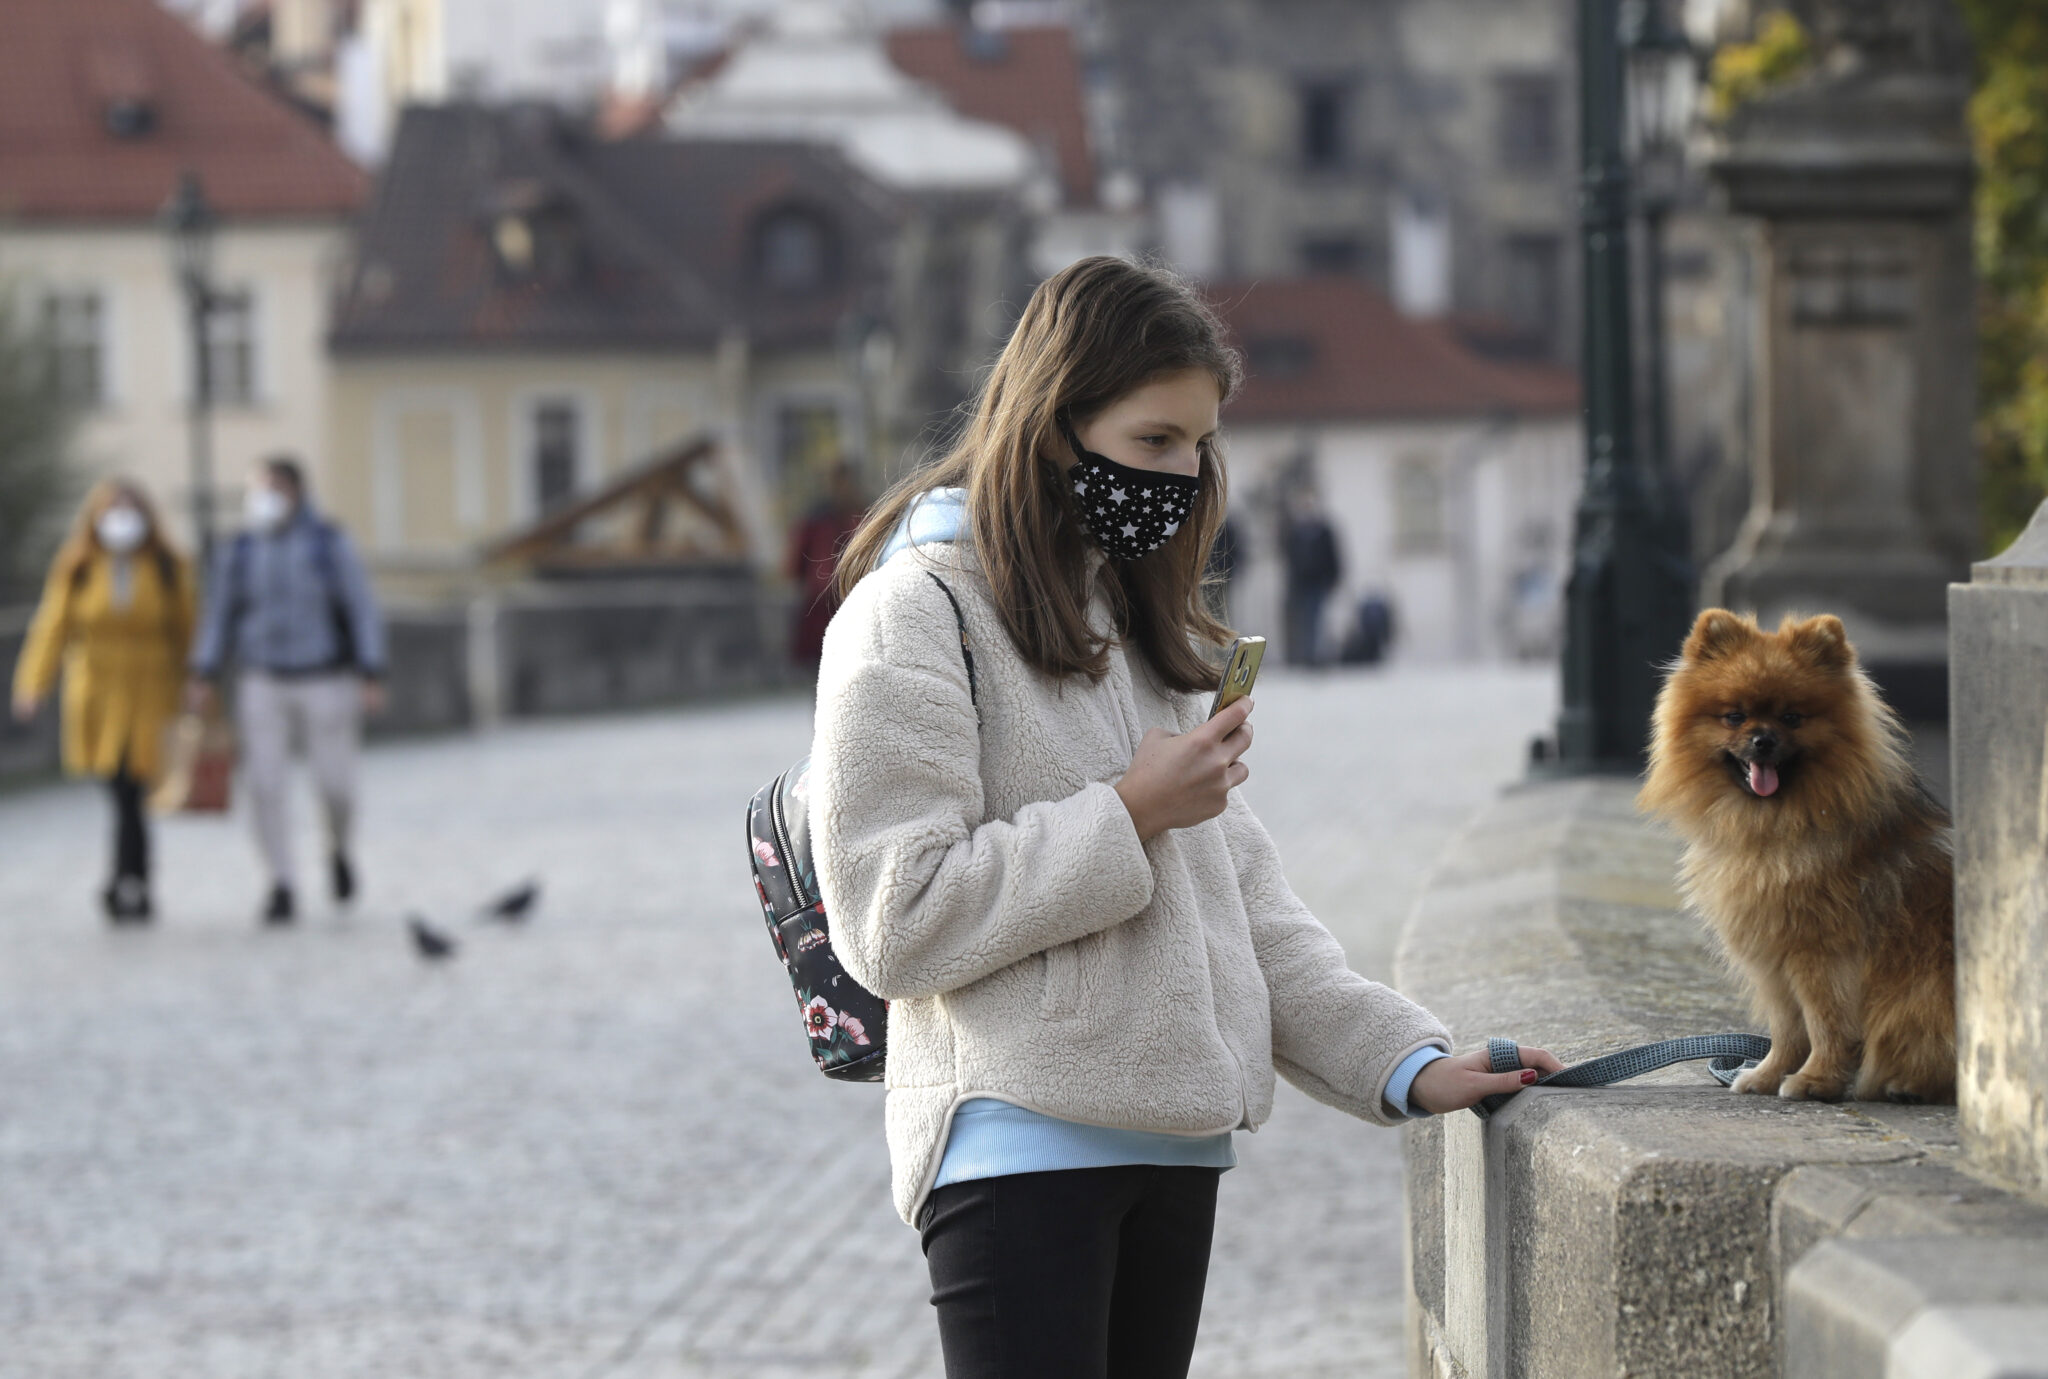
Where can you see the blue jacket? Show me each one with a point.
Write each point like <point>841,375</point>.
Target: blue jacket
<point>296,601</point>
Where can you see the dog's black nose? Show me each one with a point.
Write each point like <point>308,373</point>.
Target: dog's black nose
<point>1763,744</point>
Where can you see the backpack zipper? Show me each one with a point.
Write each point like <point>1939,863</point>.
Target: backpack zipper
<point>775,819</point>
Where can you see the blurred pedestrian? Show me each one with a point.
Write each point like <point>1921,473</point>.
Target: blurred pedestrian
<point>116,615</point>
<point>1308,545</point>
<point>1371,631</point>
<point>289,604</point>
<point>814,549</point>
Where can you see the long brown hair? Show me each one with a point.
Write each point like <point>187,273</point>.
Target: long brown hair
<point>1090,334</point>
<point>82,542</point>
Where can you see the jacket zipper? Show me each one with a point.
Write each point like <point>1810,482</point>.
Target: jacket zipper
<point>796,885</point>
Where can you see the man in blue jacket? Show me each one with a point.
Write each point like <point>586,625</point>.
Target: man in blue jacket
<point>289,603</point>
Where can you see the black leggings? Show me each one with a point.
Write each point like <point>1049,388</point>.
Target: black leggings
<point>131,831</point>
<point>1088,1273</point>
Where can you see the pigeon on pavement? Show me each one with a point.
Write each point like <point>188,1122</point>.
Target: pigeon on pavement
<point>515,905</point>
<point>428,941</point>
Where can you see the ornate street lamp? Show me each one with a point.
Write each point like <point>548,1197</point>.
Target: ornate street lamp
<point>190,223</point>
<point>1630,594</point>
<point>1662,84</point>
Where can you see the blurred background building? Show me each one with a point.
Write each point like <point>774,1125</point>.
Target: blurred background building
<point>483,261</point>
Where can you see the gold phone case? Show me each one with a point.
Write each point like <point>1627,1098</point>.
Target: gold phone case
<point>1239,672</point>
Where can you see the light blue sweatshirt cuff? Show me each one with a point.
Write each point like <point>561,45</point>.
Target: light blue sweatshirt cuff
<point>1404,1078</point>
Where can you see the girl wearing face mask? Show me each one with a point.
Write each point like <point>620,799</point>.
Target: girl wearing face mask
<point>116,617</point>
<point>1094,964</point>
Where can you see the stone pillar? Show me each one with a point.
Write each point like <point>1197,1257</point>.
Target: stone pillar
<point>1858,180</point>
<point>1999,671</point>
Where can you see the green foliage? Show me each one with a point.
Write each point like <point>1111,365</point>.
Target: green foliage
<point>2009,125</point>
<point>1744,71</point>
<point>36,484</point>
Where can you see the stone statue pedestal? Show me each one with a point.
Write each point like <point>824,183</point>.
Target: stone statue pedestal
<point>1864,473</point>
<point>2000,745</point>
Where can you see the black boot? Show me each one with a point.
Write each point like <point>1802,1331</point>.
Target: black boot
<point>127,901</point>
<point>279,910</point>
<point>344,877</point>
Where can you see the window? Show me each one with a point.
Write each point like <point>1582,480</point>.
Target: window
<point>231,348</point>
<point>1280,356</point>
<point>1325,113</point>
<point>794,252</point>
<point>1526,137</point>
<point>556,439</point>
<point>1531,292</point>
<point>1418,505</point>
<point>74,324</point>
<point>1332,255</point>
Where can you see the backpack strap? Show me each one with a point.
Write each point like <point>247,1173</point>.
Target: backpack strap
<point>966,651</point>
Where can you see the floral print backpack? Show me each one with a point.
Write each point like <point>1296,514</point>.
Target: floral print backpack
<point>847,1024</point>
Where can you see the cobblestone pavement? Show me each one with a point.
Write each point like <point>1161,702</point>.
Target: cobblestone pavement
<point>593,1146</point>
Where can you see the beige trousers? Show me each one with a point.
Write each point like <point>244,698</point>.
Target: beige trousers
<point>323,715</point>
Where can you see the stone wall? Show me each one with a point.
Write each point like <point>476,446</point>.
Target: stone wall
<point>1667,1229</point>
<point>584,646</point>
<point>27,750</point>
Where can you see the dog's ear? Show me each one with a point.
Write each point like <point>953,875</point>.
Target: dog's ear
<point>1717,633</point>
<point>1820,640</point>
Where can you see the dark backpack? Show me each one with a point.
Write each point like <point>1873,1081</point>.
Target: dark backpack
<point>324,568</point>
<point>848,1025</point>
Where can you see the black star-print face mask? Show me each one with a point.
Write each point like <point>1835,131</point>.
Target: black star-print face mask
<point>1130,512</point>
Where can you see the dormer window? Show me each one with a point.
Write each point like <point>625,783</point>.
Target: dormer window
<point>119,77</point>
<point>1280,356</point>
<point>794,251</point>
<point>130,118</point>
<point>534,234</point>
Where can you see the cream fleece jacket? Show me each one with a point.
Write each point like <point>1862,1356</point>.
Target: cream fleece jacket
<point>982,874</point>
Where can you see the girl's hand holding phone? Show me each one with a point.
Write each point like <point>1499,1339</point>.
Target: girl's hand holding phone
<point>1452,1084</point>
<point>1180,780</point>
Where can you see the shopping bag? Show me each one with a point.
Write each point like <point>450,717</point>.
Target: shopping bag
<point>200,768</point>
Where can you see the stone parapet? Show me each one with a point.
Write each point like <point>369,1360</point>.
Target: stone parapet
<point>1667,1227</point>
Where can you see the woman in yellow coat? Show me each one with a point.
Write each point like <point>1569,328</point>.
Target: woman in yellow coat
<point>117,616</point>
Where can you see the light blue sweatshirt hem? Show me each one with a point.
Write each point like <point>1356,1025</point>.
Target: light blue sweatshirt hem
<point>992,1139</point>
<point>1404,1078</point>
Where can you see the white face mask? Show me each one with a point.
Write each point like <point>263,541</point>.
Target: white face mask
<point>266,508</point>
<point>121,529</point>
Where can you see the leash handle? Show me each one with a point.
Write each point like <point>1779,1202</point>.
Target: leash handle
<point>1727,1055</point>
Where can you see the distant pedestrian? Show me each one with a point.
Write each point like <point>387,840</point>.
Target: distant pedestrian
<point>1308,545</point>
<point>1371,631</point>
<point>1222,569</point>
<point>814,549</point>
<point>1031,844</point>
<point>289,605</point>
<point>116,615</point>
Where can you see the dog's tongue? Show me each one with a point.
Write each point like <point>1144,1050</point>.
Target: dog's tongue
<point>1763,780</point>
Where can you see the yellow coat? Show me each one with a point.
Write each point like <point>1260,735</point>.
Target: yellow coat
<point>124,668</point>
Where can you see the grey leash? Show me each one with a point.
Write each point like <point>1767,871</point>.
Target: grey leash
<point>1727,1055</point>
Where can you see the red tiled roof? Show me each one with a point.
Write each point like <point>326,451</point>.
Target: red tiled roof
<point>63,62</point>
<point>1331,348</point>
<point>1026,78</point>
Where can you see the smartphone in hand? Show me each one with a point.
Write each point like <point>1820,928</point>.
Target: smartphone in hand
<point>1240,671</point>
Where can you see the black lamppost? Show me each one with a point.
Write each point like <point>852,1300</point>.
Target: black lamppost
<point>1630,594</point>
<point>1661,88</point>
<point>190,223</point>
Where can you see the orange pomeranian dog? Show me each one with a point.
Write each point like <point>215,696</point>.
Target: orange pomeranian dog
<point>1815,855</point>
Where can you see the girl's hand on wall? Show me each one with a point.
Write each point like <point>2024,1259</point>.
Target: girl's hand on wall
<point>1452,1084</point>
<point>1180,780</point>
<point>25,706</point>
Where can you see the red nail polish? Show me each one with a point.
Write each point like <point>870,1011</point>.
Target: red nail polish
<point>1528,1076</point>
